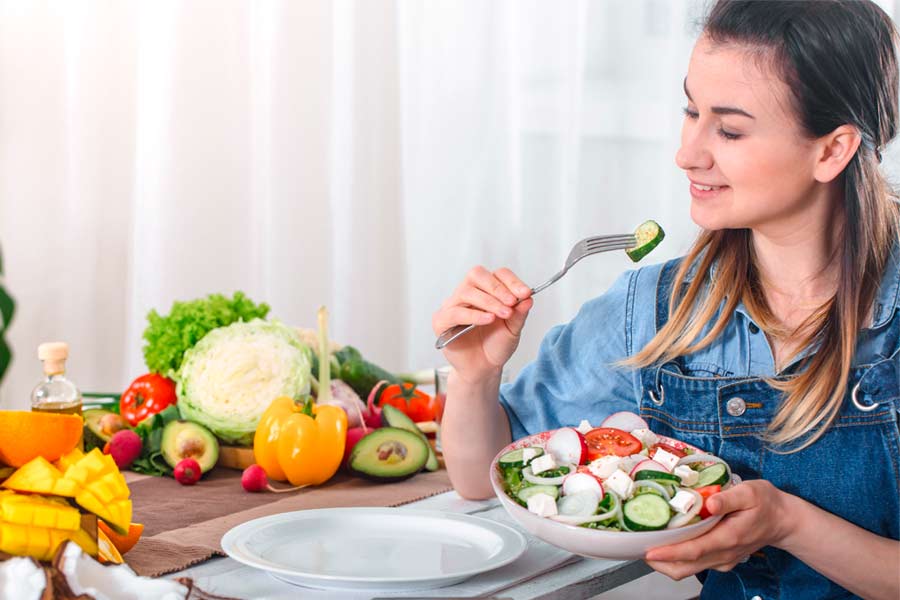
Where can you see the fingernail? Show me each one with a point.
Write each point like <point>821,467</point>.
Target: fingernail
<point>522,290</point>
<point>505,313</point>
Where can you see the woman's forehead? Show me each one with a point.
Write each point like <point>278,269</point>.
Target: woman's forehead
<point>722,74</point>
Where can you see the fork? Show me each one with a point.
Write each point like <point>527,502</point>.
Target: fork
<point>586,247</point>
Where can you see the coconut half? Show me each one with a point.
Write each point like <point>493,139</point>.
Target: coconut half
<point>84,575</point>
<point>24,579</point>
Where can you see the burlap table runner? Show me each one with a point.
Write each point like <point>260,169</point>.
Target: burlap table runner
<point>183,525</point>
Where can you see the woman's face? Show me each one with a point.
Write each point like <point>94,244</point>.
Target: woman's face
<point>747,159</point>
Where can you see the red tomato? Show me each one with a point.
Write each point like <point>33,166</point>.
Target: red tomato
<point>603,441</point>
<point>668,448</point>
<point>414,403</point>
<point>147,395</point>
<point>706,492</point>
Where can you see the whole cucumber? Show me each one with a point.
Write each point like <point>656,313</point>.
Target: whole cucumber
<point>362,375</point>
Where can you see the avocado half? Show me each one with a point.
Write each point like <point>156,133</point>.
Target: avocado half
<point>99,426</point>
<point>186,439</point>
<point>388,454</point>
<point>393,417</point>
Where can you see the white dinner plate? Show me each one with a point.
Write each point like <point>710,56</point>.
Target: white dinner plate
<point>373,548</point>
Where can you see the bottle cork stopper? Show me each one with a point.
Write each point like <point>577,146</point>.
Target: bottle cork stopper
<point>54,355</point>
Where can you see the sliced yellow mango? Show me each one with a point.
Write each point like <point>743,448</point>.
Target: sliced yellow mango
<point>38,476</point>
<point>67,460</point>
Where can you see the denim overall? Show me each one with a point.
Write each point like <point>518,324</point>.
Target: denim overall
<point>851,471</point>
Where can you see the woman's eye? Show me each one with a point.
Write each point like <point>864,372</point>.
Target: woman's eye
<point>690,113</point>
<point>728,135</point>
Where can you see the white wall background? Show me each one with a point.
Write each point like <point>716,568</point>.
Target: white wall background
<point>357,154</point>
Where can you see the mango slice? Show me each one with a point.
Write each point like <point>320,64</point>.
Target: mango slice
<point>40,477</point>
<point>102,489</point>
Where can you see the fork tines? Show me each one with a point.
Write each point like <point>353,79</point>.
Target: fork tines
<point>611,242</point>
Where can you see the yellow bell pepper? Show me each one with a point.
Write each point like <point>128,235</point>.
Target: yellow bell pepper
<point>299,441</point>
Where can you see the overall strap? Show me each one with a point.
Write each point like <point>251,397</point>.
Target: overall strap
<point>664,290</point>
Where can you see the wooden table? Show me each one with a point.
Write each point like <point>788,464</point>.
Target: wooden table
<point>541,573</point>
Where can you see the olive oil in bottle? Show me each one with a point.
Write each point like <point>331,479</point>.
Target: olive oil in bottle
<point>56,393</point>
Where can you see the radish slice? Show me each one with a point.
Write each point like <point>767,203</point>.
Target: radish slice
<point>707,458</point>
<point>630,462</point>
<point>648,465</point>
<point>567,446</point>
<point>582,504</point>
<point>680,520</point>
<point>582,482</point>
<point>538,480</point>
<point>626,421</point>
<point>655,486</point>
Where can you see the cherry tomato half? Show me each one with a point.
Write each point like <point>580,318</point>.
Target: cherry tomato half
<point>604,441</point>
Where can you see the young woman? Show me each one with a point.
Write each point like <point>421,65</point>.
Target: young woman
<point>775,343</point>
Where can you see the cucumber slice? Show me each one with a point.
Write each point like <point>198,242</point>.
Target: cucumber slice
<point>715,474</point>
<point>527,492</point>
<point>513,458</point>
<point>649,234</point>
<point>657,476</point>
<point>646,512</point>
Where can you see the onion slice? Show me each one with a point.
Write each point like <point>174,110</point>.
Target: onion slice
<point>654,486</point>
<point>580,504</point>
<point>615,511</point>
<point>680,520</point>
<point>707,458</point>
<point>538,480</point>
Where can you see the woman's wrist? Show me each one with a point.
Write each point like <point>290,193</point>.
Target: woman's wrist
<point>486,380</point>
<point>793,512</point>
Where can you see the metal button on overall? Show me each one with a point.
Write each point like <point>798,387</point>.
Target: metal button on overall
<point>736,407</point>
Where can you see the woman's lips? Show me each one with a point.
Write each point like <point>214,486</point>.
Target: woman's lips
<point>704,192</point>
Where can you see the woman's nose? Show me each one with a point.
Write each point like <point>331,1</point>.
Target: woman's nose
<point>694,152</point>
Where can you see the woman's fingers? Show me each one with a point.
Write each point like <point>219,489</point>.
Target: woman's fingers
<point>513,283</point>
<point>482,297</point>
<point>489,283</point>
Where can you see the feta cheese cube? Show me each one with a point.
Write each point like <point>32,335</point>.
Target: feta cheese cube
<point>666,459</point>
<point>620,483</point>
<point>584,427</point>
<point>543,463</point>
<point>683,501</point>
<point>605,466</point>
<point>528,454</point>
<point>647,437</point>
<point>688,476</point>
<point>543,505</point>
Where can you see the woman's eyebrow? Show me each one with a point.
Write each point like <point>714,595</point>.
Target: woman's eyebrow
<point>720,110</point>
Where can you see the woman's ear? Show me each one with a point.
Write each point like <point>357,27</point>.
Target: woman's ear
<point>835,151</point>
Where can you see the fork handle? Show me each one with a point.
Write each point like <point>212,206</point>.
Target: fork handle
<point>460,330</point>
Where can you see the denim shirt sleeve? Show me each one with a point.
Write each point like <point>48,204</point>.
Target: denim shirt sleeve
<point>574,376</point>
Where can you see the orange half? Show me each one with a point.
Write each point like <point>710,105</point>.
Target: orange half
<point>123,543</point>
<point>25,435</point>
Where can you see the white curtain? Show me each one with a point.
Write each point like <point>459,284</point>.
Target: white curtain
<point>361,155</point>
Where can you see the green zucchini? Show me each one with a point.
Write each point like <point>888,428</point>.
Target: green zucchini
<point>649,234</point>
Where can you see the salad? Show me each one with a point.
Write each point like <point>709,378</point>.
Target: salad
<point>620,477</point>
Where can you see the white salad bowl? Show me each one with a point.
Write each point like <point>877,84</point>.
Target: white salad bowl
<point>592,543</point>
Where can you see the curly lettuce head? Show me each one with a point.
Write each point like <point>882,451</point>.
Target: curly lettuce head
<point>229,378</point>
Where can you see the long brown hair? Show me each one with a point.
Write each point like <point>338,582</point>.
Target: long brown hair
<point>838,58</point>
